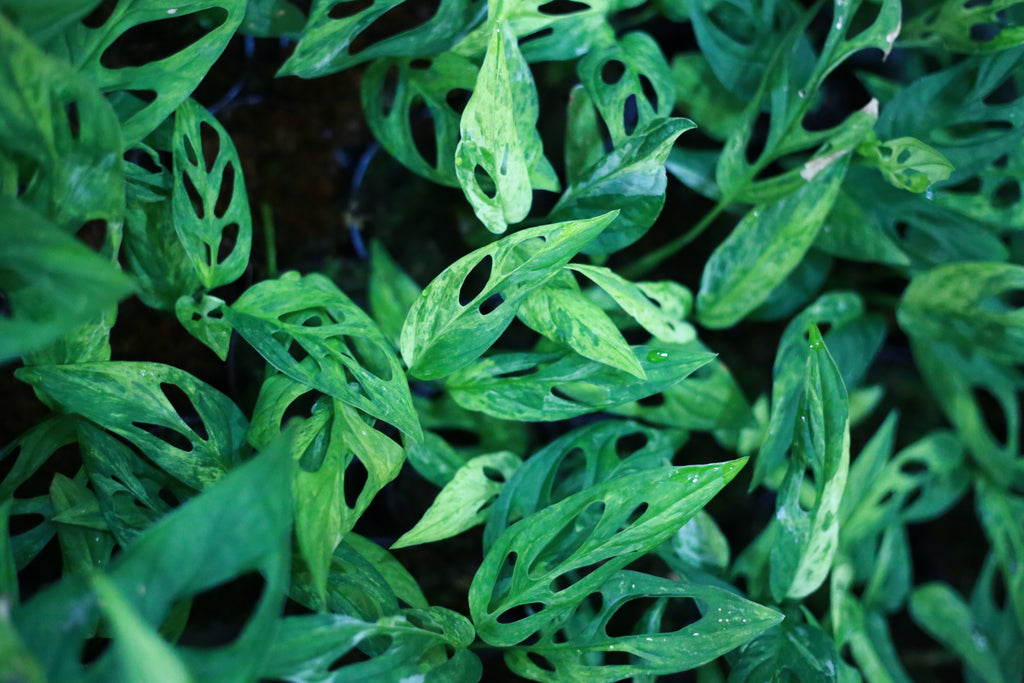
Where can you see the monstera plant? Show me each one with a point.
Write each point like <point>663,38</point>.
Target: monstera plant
<point>712,364</point>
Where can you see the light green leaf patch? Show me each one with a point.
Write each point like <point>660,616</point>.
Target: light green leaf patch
<point>906,163</point>
<point>463,502</point>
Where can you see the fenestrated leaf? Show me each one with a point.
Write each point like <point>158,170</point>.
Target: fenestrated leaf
<point>204,319</point>
<point>463,502</point>
<point>131,400</point>
<point>560,312</point>
<point>412,645</point>
<point>807,539</point>
<point>210,205</point>
<point>499,137</point>
<point>763,248</point>
<point>59,134</point>
<point>728,621</point>
<point>446,329</point>
<point>1002,516</point>
<point>966,304</point>
<point>791,651</point>
<point>241,524</point>
<point>631,178</point>
<point>32,450</point>
<point>53,282</point>
<point>961,26</point>
<point>557,386</point>
<point>308,329</point>
<point>906,163</point>
<point>394,93</point>
<point>584,457</point>
<point>554,558</point>
<point>330,43</point>
<point>142,656</point>
<point>145,93</point>
<point>941,612</point>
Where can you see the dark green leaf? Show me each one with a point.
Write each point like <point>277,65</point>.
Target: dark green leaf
<point>790,652</point>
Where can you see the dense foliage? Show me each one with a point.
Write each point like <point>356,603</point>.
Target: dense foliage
<point>845,196</point>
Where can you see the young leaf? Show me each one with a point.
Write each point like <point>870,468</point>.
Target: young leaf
<point>727,622</point>
<point>545,387</point>
<point>597,531</point>
<point>463,502</point>
<point>446,329</point>
<point>309,330</point>
<point>211,208</point>
<point>906,163</point>
<point>807,540</point>
<point>204,319</point>
<point>499,137</point>
<point>764,248</point>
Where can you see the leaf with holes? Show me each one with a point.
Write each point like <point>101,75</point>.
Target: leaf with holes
<point>906,162</point>
<point>1002,516</point>
<point>60,135</point>
<point>309,330</point>
<point>556,386</point>
<point>971,305</point>
<point>403,96</point>
<point>204,319</point>
<point>499,138</point>
<point>189,429</point>
<point>146,87</point>
<point>660,307</point>
<point>31,450</point>
<point>240,524</point>
<point>964,26</point>
<point>342,33</point>
<point>417,644</point>
<point>807,539</point>
<point>560,312</point>
<point>54,284</point>
<point>447,328</point>
<point>727,621</point>
<point>631,178</point>
<point>325,446</point>
<point>584,457</point>
<point>764,248</point>
<point>463,502</point>
<point>392,293</point>
<point>554,558</point>
<point>211,208</point>
<point>790,652</point>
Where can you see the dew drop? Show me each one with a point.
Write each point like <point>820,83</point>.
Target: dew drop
<point>800,94</point>
<point>657,356</point>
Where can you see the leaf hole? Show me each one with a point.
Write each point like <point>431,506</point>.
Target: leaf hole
<point>380,644</point>
<point>985,32</point>
<point>904,157</point>
<point>171,437</point>
<point>628,444</point>
<point>536,35</point>
<point>494,474</point>
<point>185,408</point>
<point>459,438</point>
<point>389,90</point>
<point>93,234</point>
<point>210,141</point>
<point>99,16</point>
<point>475,281</point>
<point>168,497</point>
<point>457,99</point>
<point>349,8</point>
<point>370,357</point>
<point>564,544</point>
<point>559,393</point>
<point>502,581</point>
<point>1002,162</point>
<point>143,160</point>
<point>992,413</point>
<point>537,659</point>
<point>423,130</point>
<point>647,88</point>
<point>136,47</point>
<point>420,64</point>
<point>1006,195</point>
<point>637,513</point>
<point>520,372</point>
<point>652,401</point>
<point>95,647</point>
<point>228,241</point>
<point>630,115</point>
<point>72,117</point>
<point>491,303</point>
<point>567,477</point>
<point>624,621</point>
<point>219,614</point>
<point>399,19</point>
<point>557,8</point>
<point>617,658</point>
<point>612,71</point>
<point>355,480</point>
<point>519,612</point>
<point>484,182</point>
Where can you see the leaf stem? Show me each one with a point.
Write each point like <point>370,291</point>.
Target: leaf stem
<point>647,263</point>
<point>267,216</point>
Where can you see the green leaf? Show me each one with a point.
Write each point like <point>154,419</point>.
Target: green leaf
<point>969,305</point>
<point>941,612</point>
<point>630,178</point>
<point>204,319</point>
<point>330,43</point>
<point>537,561</point>
<point>463,502</point>
<point>309,330</point>
<point>560,312</point>
<point>791,651</point>
<point>8,571</point>
<point>856,231</point>
<point>54,283</point>
<point>136,401</point>
<point>18,663</point>
<point>807,539</point>
<point>32,450</point>
<point>392,293</point>
<point>210,205</point>
<point>141,654</point>
<point>727,621</point>
<point>240,524</point>
<point>413,645</point>
<point>85,543</point>
<point>446,329</point>
<point>394,91</point>
<point>499,138</point>
<point>704,99</point>
<point>272,19</point>
<point>41,20</point>
<point>961,26</point>
<point>906,163</point>
<point>60,135</point>
<point>1002,516</point>
<point>546,387</point>
<point>144,93</point>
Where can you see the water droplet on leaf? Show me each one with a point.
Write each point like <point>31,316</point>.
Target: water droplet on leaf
<point>657,356</point>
